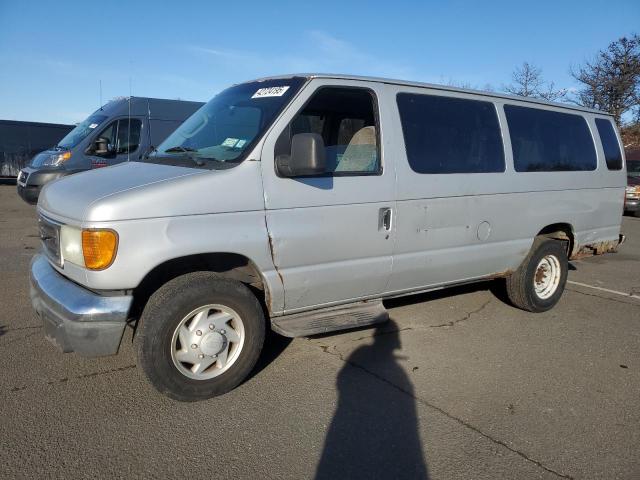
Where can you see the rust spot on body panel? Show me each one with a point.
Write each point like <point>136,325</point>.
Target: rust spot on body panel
<point>503,274</point>
<point>596,248</point>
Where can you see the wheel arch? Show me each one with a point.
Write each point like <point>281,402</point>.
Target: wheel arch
<point>233,266</point>
<point>560,231</point>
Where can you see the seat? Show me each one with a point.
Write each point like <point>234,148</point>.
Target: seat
<point>361,153</point>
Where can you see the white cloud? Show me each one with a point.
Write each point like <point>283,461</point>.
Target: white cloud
<point>319,52</point>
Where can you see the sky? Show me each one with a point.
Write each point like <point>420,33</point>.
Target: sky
<point>54,55</point>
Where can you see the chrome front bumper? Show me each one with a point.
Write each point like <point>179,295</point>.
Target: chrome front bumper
<point>76,319</point>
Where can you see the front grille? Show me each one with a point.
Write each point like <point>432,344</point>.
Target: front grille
<point>50,237</point>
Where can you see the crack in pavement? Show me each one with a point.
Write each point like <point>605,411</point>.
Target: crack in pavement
<point>326,349</point>
<point>448,324</point>
<point>463,319</point>
<point>19,339</point>
<point>379,334</point>
<point>77,377</point>
<point>6,330</point>
<point>635,304</point>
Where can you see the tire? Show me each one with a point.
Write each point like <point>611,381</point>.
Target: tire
<point>547,260</point>
<point>216,319</point>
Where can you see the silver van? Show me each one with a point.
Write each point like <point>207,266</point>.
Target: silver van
<point>298,203</point>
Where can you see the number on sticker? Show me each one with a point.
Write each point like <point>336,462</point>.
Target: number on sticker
<point>270,92</point>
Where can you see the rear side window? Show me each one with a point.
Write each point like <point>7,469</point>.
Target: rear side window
<point>161,129</point>
<point>549,141</point>
<point>610,144</point>
<point>450,135</point>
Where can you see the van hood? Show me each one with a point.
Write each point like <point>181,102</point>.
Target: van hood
<point>73,195</point>
<point>136,190</point>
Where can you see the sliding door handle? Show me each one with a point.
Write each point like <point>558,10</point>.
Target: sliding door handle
<point>385,219</point>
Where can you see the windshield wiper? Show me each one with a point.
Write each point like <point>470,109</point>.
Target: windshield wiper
<point>186,150</point>
<point>180,148</point>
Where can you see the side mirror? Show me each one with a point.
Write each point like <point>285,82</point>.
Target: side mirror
<point>103,148</point>
<point>307,157</point>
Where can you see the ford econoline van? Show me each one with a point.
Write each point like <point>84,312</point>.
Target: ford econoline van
<point>123,129</point>
<point>299,203</point>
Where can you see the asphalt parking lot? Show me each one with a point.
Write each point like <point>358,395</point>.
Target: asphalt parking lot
<point>457,385</point>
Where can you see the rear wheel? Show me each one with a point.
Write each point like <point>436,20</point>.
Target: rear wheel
<point>200,336</point>
<point>538,283</point>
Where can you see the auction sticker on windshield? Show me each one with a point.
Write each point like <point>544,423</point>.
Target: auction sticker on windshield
<point>230,142</point>
<point>270,92</point>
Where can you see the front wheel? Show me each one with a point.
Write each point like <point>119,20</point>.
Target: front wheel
<point>538,283</point>
<point>200,336</point>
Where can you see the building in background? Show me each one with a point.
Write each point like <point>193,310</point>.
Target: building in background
<point>20,141</point>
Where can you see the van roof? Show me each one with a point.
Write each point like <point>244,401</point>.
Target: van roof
<point>154,107</point>
<point>435,86</point>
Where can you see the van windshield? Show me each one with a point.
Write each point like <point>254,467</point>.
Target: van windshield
<point>221,132</point>
<point>633,168</point>
<point>82,130</point>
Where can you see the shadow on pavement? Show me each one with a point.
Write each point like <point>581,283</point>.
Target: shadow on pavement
<point>495,286</point>
<point>3,330</point>
<point>274,345</point>
<point>374,432</point>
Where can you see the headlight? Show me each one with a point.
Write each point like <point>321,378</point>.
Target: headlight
<point>94,249</point>
<point>56,159</point>
<point>71,245</point>
<point>632,191</point>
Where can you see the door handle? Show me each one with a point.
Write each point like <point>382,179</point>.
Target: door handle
<point>384,220</point>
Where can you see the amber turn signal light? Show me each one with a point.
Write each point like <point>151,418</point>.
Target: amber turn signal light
<point>99,248</point>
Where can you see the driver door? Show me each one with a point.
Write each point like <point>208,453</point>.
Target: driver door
<point>123,137</point>
<point>332,235</point>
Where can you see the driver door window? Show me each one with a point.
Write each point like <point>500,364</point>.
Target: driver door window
<point>123,135</point>
<point>346,120</point>
<point>128,137</point>
<point>109,133</point>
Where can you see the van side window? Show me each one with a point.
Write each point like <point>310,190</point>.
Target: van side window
<point>161,129</point>
<point>450,135</point>
<point>549,141</point>
<point>346,119</point>
<point>128,135</point>
<point>610,144</point>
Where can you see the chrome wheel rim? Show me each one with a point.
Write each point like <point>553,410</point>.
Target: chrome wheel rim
<point>547,276</point>
<point>207,342</point>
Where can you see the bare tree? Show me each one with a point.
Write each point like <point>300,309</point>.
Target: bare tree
<point>487,87</point>
<point>527,81</point>
<point>611,81</point>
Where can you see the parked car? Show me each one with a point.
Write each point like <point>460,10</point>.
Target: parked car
<point>298,203</point>
<point>632,193</point>
<point>124,129</point>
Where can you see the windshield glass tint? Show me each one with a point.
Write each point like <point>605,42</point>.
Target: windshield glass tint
<point>82,130</point>
<point>229,125</point>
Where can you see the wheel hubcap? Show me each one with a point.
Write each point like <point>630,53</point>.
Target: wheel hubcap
<point>207,342</point>
<point>213,343</point>
<point>547,276</point>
